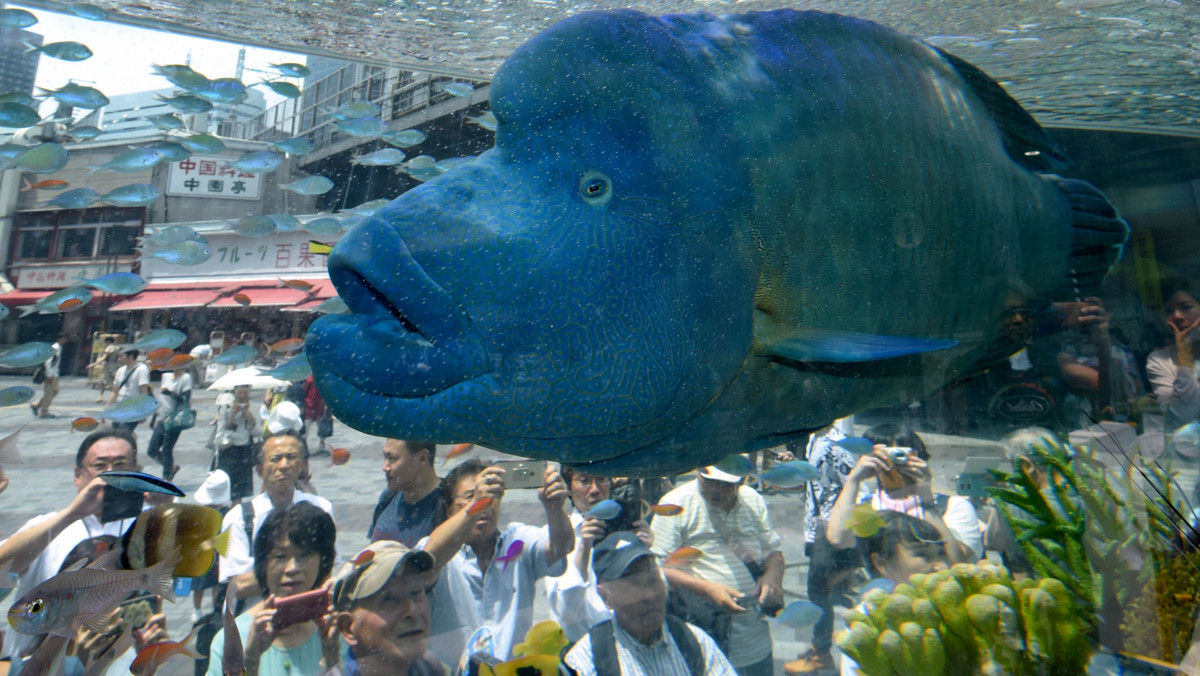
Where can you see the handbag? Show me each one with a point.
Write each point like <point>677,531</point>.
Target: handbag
<point>183,417</point>
<point>39,374</point>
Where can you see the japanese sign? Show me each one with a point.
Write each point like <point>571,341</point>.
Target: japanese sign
<point>211,176</point>
<point>61,276</point>
<point>234,256</point>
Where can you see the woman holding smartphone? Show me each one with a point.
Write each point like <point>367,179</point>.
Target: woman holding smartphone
<point>904,484</point>
<point>293,554</point>
<point>237,430</point>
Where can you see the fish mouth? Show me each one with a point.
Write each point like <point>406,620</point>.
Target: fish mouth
<point>406,337</point>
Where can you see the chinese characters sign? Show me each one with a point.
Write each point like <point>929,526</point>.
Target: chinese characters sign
<point>234,256</point>
<point>211,176</point>
<point>61,276</point>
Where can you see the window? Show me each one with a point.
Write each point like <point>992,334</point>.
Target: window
<point>77,234</point>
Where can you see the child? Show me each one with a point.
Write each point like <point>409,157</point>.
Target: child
<point>382,612</point>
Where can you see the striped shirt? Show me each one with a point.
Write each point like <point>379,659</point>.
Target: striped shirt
<point>662,658</point>
<point>747,533</point>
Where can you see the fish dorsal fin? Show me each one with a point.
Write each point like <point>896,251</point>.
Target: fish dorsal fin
<point>9,454</point>
<point>842,347</point>
<point>1024,139</point>
<point>78,565</point>
<point>108,560</point>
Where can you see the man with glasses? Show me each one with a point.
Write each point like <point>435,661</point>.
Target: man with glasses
<point>36,552</point>
<point>575,603</point>
<point>487,577</point>
<point>740,567</point>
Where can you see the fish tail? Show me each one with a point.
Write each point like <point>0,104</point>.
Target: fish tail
<point>27,310</point>
<point>162,576</point>
<point>26,185</point>
<point>1098,235</point>
<point>221,542</point>
<point>31,48</point>
<point>185,649</point>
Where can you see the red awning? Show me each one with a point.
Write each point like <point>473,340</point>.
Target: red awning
<point>22,297</point>
<point>164,299</point>
<point>264,297</point>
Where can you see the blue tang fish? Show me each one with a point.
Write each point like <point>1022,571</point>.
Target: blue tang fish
<point>701,235</point>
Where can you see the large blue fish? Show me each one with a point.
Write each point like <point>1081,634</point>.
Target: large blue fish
<point>699,235</point>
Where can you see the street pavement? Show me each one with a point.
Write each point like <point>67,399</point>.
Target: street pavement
<point>44,483</point>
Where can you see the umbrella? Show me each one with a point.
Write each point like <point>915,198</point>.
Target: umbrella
<point>252,376</point>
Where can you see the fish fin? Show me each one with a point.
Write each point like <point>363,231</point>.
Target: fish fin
<point>27,310</point>
<point>162,576</point>
<point>1098,236</point>
<point>30,47</point>
<point>78,565</point>
<point>1024,139</point>
<point>108,560</point>
<point>97,622</point>
<point>9,453</point>
<point>221,542</point>
<point>828,345</point>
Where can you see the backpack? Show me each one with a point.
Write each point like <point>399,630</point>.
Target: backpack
<point>604,647</point>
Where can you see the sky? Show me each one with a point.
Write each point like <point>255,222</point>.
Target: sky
<point>123,56</point>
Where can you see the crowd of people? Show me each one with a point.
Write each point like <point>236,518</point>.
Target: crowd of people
<point>678,575</point>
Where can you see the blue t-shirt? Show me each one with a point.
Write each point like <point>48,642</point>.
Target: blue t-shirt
<point>407,524</point>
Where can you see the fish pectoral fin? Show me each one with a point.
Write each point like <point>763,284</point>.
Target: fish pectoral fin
<point>97,622</point>
<point>840,347</point>
<point>109,560</point>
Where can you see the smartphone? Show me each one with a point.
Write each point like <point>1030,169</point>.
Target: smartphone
<point>118,504</point>
<point>299,608</point>
<point>523,473</point>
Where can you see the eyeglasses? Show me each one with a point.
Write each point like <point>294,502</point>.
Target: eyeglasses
<point>598,481</point>
<point>117,465</point>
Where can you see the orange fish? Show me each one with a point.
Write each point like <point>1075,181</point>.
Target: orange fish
<point>287,345</point>
<point>458,450</point>
<point>364,557</point>
<point>297,284</point>
<point>70,304</point>
<point>242,299</point>
<point>50,184</point>
<point>479,505</point>
<point>84,424</point>
<point>340,456</point>
<point>177,362</point>
<point>160,356</point>
<point>156,654</point>
<point>681,556</point>
<point>666,510</point>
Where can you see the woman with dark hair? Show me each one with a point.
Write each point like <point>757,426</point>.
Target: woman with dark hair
<point>1172,369</point>
<point>899,465</point>
<point>293,553</point>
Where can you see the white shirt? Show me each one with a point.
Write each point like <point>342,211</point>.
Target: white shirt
<point>48,563</point>
<point>175,384</point>
<point>139,377</point>
<point>960,518</point>
<point>662,658</point>
<point>1177,389</point>
<point>238,558</point>
<point>54,361</point>
<point>464,599</point>
<point>574,603</point>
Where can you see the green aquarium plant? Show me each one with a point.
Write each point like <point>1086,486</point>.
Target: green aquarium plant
<point>973,619</point>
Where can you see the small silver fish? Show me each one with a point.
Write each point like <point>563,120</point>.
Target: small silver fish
<point>790,474</point>
<point>79,96</point>
<point>16,18</point>
<point>202,143</point>
<point>256,225</point>
<point>15,395</point>
<point>257,162</point>
<point>183,253</point>
<point>171,151</point>
<point>131,409</point>
<point>85,133</point>
<point>168,338</point>
<point>133,159</point>
<point>75,198</point>
<point>63,51</point>
<point>405,138</point>
<point>187,103</point>
<point>172,234</point>
<point>286,89</point>
<point>44,158</point>
<point>355,109</point>
<point>384,157</point>
<point>182,76</point>
<point>87,596</point>
<point>313,185</point>
<point>90,12</point>
<point>292,370</point>
<point>52,303</point>
<point>18,97</point>
<point>133,195</point>
<point>17,116</point>
<point>487,120</point>
<point>285,222</point>
<point>116,283</point>
<point>799,614</point>
<point>167,121</point>
<point>292,69</point>
<point>3,311</point>
<point>323,226</point>
<point>139,482</point>
<point>294,146</point>
<point>332,306</point>
<point>26,354</point>
<point>242,354</point>
<point>856,445</point>
<point>459,89</point>
<point>369,208</point>
<point>604,510</point>
<point>362,127</point>
<point>223,90</point>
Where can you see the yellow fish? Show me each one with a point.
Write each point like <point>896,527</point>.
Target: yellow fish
<point>543,638</point>
<point>864,521</point>
<point>191,529</point>
<point>530,665</point>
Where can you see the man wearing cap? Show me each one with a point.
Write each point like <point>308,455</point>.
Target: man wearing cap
<point>487,576</point>
<point>740,569</point>
<point>641,639</point>
<point>382,612</point>
<point>131,379</point>
<point>281,460</point>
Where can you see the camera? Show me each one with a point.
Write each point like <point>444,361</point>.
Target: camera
<point>898,454</point>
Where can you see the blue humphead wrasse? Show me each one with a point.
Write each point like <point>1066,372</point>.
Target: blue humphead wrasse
<point>699,235</point>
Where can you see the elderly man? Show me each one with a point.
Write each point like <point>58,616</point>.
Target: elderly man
<point>280,462</point>
<point>642,639</point>
<point>575,604</point>
<point>487,577</point>
<point>36,552</point>
<point>412,506</point>
<point>741,568</point>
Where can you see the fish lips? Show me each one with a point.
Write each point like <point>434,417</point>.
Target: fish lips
<point>407,337</point>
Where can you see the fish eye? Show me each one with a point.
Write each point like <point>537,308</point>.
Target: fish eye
<point>36,606</point>
<point>596,188</point>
